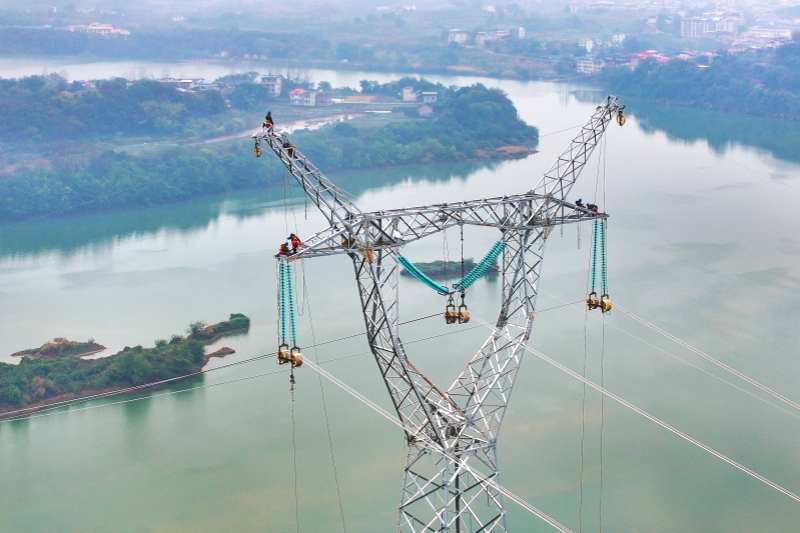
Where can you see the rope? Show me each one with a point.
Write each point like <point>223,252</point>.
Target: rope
<point>712,360</point>
<point>417,273</point>
<point>602,416</point>
<point>324,402</point>
<point>481,268</point>
<point>652,418</point>
<point>294,467</point>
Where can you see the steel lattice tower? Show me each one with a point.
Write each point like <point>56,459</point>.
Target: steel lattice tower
<point>451,434</point>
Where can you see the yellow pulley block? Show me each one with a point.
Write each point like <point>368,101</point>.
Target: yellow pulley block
<point>621,118</point>
<point>592,302</point>
<point>450,314</point>
<point>463,314</point>
<point>605,304</point>
<point>257,150</point>
<point>292,357</point>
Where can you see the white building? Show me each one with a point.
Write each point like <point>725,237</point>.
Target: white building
<point>429,97</point>
<point>521,33</point>
<point>96,28</point>
<point>711,23</point>
<point>274,84</point>
<point>590,65</point>
<point>586,43</point>
<point>309,98</point>
<point>618,38</point>
<point>770,33</point>
<point>409,94</point>
<point>458,36</point>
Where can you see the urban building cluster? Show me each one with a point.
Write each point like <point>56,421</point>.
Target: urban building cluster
<point>480,38</point>
<point>299,96</point>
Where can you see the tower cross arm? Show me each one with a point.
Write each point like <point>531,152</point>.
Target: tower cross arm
<point>391,229</point>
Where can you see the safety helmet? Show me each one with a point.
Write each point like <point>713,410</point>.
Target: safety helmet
<point>580,199</point>
<point>269,111</point>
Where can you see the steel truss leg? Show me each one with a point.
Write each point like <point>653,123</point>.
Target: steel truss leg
<point>439,495</point>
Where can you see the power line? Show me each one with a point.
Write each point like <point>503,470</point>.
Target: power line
<point>42,412</point>
<point>435,446</point>
<point>684,361</point>
<point>712,360</point>
<point>658,421</point>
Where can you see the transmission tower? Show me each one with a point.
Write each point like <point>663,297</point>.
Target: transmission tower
<point>451,472</point>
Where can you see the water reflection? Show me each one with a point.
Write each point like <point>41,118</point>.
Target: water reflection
<point>721,130</point>
<point>100,232</point>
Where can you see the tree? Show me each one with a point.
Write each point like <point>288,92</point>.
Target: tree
<point>195,328</point>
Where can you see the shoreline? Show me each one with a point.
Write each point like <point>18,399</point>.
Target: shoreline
<point>38,406</point>
<point>68,214</point>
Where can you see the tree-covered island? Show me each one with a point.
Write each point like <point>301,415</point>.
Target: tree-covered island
<point>72,148</point>
<point>57,372</point>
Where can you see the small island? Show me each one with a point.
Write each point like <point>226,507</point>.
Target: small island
<point>56,371</point>
<point>449,269</point>
<point>61,347</point>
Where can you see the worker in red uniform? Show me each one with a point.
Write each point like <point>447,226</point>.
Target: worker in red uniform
<point>285,249</point>
<point>295,241</point>
<point>289,149</point>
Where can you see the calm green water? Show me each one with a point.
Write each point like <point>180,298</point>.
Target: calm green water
<point>698,244</point>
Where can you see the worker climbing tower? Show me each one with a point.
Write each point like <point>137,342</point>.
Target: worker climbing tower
<point>451,473</point>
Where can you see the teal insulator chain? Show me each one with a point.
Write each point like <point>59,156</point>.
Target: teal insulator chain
<point>593,268</point>
<point>282,299</point>
<point>417,273</point>
<point>290,291</point>
<point>603,261</point>
<point>481,268</point>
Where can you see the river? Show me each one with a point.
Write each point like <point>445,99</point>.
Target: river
<point>703,241</point>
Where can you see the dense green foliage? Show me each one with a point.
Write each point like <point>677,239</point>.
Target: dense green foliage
<point>35,380</point>
<point>200,331</point>
<point>728,83</point>
<point>471,122</point>
<point>40,107</point>
<point>177,44</point>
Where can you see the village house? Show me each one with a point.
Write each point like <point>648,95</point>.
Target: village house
<point>273,84</point>
<point>309,98</point>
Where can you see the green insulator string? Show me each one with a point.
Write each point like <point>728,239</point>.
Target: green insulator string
<point>603,260</point>
<point>481,268</point>
<point>282,296</point>
<point>290,291</point>
<point>593,268</point>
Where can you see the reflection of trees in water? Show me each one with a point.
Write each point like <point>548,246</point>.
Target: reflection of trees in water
<point>73,235</point>
<point>720,130</point>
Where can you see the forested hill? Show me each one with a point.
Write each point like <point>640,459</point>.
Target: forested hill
<point>41,107</point>
<point>468,123</point>
<point>473,122</point>
<point>176,44</point>
<point>759,85</point>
